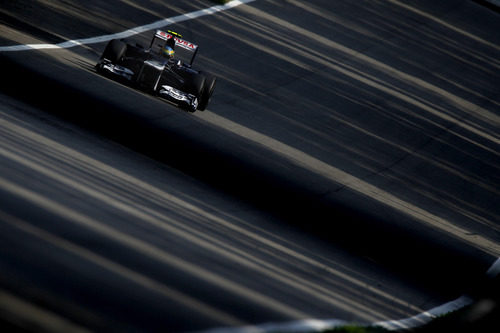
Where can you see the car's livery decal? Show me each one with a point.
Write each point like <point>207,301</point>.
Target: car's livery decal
<point>178,41</point>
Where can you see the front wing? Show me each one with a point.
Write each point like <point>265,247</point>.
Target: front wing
<point>166,92</point>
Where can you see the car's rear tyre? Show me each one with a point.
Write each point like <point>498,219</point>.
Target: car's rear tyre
<point>114,51</point>
<point>208,90</point>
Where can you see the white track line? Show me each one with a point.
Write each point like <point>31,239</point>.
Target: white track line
<point>312,325</point>
<point>425,317</point>
<point>127,33</point>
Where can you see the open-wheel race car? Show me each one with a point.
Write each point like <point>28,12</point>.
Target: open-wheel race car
<point>164,69</point>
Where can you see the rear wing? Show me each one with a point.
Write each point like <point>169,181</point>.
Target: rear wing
<point>183,48</point>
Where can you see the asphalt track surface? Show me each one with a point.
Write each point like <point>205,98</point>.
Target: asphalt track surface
<point>347,166</point>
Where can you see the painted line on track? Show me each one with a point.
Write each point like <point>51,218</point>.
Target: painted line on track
<point>131,32</point>
<point>314,325</point>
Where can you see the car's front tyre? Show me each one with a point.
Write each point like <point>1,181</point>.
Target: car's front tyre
<point>197,85</point>
<point>208,90</point>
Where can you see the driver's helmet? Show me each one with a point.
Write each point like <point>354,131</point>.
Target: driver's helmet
<point>168,52</point>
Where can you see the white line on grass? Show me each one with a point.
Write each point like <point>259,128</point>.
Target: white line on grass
<point>124,34</point>
<point>312,325</point>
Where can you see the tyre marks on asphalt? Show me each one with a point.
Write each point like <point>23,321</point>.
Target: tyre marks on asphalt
<point>101,182</point>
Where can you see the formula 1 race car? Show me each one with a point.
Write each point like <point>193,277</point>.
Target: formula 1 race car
<point>164,69</point>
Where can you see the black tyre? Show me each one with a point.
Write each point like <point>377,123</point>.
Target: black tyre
<point>208,90</point>
<point>197,85</point>
<point>114,51</point>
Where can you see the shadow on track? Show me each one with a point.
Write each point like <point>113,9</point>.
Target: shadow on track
<point>245,170</point>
